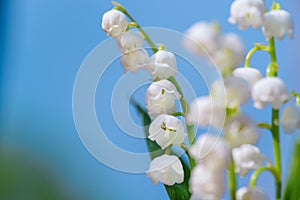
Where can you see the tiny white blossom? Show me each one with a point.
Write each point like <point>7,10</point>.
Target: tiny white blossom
<point>269,90</point>
<point>206,181</point>
<point>251,75</point>
<point>277,23</point>
<point>163,65</point>
<point>130,41</point>
<point>202,38</point>
<point>246,157</point>
<point>246,13</point>
<point>114,23</point>
<point>167,130</point>
<point>230,53</point>
<point>255,193</point>
<point>233,90</point>
<point>204,196</point>
<point>135,60</point>
<point>160,98</point>
<point>211,151</point>
<point>166,169</point>
<point>240,130</point>
<point>205,111</point>
<point>290,119</point>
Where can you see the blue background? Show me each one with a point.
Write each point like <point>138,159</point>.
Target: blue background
<point>43,43</point>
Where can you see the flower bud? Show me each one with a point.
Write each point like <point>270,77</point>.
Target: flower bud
<point>130,41</point>
<point>290,119</point>
<point>114,23</point>
<point>251,75</point>
<point>245,193</point>
<point>135,60</point>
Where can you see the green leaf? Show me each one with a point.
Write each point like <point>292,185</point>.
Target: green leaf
<point>177,191</point>
<point>292,189</point>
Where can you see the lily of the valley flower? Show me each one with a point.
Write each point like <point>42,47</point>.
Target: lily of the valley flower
<point>203,196</point>
<point>167,130</point>
<point>204,111</point>
<point>251,75</point>
<point>114,23</point>
<point>256,193</point>
<point>277,23</point>
<point>246,13</point>
<point>160,98</point>
<point>166,169</point>
<point>269,90</point>
<point>130,41</point>
<point>240,130</point>
<point>163,65</point>
<point>135,60</point>
<point>290,119</point>
<point>246,157</point>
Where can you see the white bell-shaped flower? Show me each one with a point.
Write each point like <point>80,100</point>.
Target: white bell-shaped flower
<point>160,98</point>
<point>163,65</point>
<point>204,111</point>
<point>290,119</point>
<point>240,130</point>
<point>251,75</point>
<point>269,90</point>
<point>246,157</point>
<point>130,41</point>
<point>167,130</point>
<point>207,182</point>
<point>204,196</point>
<point>233,90</point>
<point>255,193</point>
<point>246,13</point>
<point>135,60</point>
<point>277,23</point>
<point>230,53</point>
<point>211,151</point>
<point>114,23</point>
<point>202,38</point>
<point>166,169</point>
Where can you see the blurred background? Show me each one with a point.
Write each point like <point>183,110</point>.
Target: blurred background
<point>43,43</point>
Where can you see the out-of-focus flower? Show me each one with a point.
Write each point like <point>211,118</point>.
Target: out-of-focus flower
<point>163,65</point>
<point>233,90</point>
<point>135,60</point>
<point>269,90</point>
<point>207,182</point>
<point>277,23</point>
<point>202,38</point>
<point>211,151</point>
<point>202,196</point>
<point>246,13</point>
<point>166,169</point>
<point>240,130</point>
<point>130,41</point>
<point>114,23</point>
<point>290,119</point>
<point>160,98</point>
<point>251,75</point>
<point>166,130</point>
<point>230,53</point>
<point>204,111</point>
<point>246,157</point>
<point>245,193</point>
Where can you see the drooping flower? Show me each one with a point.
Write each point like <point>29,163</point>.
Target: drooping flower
<point>207,182</point>
<point>205,111</point>
<point>202,38</point>
<point>160,98</point>
<point>277,23</point>
<point>203,196</point>
<point>163,65</point>
<point>290,119</point>
<point>240,130</point>
<point>211,151</point>
<point>251,75</point>
<point>166,169</point>
<point>246,157</point>
<point>130,41</point>
<point>269,90</point>
<point>135,60</point>
<point>167,130</point>
<point>255,193</point>
<point>114,23</point>
<point>246,13</point>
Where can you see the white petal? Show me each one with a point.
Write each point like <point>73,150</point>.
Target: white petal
<point>251,75</point>
<point>114,23</point>
<point>290,119</point>
<point>251,194</point>
<point>129,41</point>
<point>135,60</point>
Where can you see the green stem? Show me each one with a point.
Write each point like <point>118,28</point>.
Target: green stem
<point>232,180</point>
<point>265,126</point>
<point>185,147</point>
<point>257,47</point>
<point>175,114</point>
<point>258,171</point>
